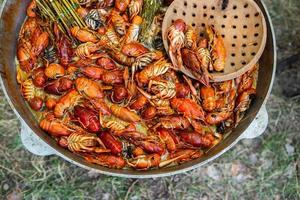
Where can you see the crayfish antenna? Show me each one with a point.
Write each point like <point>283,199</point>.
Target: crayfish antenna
<point>179,60</point>
<point>173,59</point>
<point>167,162</point>
<point>101,143</point>
<point>156,126</point>
<point>190,84</point>
<point>147,95</point>
<point>206,77</point>
<point>101,150</point>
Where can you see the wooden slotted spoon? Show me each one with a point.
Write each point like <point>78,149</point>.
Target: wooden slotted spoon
<point>241,24</point>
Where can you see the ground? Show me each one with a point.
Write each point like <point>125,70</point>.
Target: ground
<point>264,168</point>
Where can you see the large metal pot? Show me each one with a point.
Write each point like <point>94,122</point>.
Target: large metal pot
<point>13,14</point>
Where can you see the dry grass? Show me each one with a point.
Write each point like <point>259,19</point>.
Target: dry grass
<point>263,168</point>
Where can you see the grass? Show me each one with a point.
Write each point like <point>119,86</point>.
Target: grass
<point>285,16</point>
<point>254,169</point>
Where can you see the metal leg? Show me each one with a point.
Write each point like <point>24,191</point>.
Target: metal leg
<point>258,126</point>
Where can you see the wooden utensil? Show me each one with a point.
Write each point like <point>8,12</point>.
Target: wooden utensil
<point>240,22</point>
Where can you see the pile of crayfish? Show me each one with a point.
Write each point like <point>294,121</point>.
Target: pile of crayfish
<point>105,96</point>
<point>201,55</point>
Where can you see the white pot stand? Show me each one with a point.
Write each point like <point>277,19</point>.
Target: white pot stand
<point>33,143</point>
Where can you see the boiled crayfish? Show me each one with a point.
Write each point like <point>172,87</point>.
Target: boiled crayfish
<point>104,89</point>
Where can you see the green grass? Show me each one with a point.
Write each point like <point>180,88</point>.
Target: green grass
<point>266,169</point>
<point>280,178</point>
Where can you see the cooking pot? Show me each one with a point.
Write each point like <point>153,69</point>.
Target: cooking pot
<point>12,17</point>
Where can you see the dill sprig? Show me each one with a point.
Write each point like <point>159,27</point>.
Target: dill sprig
<point>61,12</point>
<point>150,9</point>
